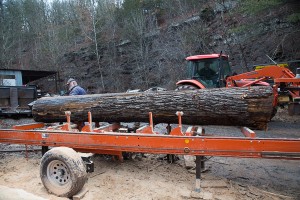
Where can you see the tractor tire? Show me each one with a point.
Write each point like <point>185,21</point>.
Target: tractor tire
<point>186,87</point>
<point>63,172</point>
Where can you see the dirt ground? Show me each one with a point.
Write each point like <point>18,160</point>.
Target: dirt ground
<point>151,178</point>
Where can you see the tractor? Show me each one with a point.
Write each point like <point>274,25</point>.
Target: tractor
<point>214,71</point>
<point>209,71</point>
<point>206,71</point>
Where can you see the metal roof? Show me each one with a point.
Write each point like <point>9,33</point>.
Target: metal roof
<point>32,75</point>
<point>205,56</point>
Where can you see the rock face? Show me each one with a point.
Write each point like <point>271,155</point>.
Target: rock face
<point>246,37</point>
<point>223,106</point>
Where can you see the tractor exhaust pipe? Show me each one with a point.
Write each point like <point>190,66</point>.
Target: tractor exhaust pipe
<point>294,107</point>
<point>297,73</point>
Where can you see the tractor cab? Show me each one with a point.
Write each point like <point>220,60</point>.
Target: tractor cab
<point>207,71</point>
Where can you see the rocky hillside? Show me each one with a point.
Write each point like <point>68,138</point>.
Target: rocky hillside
<point>142,45</point>
<point>247,34</point>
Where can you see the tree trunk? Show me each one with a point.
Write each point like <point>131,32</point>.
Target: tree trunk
<point>250,107</point>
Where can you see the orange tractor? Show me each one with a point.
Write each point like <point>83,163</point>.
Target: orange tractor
<point>214,71</point>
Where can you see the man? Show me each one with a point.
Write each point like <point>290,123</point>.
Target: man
<point>207,71</point>
<point>74,88</point>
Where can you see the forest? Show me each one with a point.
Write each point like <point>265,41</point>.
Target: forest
<point>113,46</point>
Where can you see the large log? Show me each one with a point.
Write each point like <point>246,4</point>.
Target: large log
<point>250,107</point>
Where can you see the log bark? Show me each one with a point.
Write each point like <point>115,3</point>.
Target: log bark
<point>250,107</point>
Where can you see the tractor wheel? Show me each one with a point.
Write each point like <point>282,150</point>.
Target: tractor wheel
<point>186,87</point>
<point>63,172</point>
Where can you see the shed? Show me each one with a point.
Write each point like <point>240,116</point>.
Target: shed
<point>13,77</point>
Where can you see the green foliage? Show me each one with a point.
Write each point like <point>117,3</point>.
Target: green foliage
<point>257,6</point>
<point>294,18</point>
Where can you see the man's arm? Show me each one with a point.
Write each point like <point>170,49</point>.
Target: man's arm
<point>77,91</point>
<point>74,91</point>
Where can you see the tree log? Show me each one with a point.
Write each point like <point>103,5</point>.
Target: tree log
<point>250,107</point>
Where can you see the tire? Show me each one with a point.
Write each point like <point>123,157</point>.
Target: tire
<point>63,172</point>
<point>186,87</point>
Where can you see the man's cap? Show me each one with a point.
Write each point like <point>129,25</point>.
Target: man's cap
<point>70,80</point>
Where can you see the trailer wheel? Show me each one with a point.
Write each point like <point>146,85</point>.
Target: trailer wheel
<point>63,172</point>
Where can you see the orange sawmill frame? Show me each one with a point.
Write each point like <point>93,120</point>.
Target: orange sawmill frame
<point>194,141</point>
<point>105,140</point>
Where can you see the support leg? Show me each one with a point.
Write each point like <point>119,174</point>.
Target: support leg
<point>44,149</point>
<point>198,173</point>
<point>197,193</point>
<point>202,163</point>
<point>170,157</point>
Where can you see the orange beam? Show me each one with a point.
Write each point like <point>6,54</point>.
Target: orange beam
<point>253,82</point>
<point>287,80</point>
<point>29,126</point>
<point>274,72</point>
<point>153,143</point>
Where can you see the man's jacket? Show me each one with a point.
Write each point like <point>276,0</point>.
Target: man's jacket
<point>77,90</point>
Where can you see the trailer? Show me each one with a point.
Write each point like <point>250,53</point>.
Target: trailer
<point>64,172</point>
<point>17,91</point>
<point>14,100</point>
